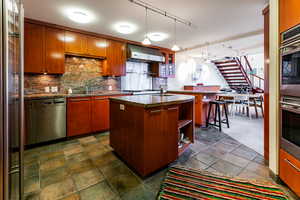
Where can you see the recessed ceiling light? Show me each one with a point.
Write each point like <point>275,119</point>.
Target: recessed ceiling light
<point>80,16</point>
<point>125,27</point>
<point>156,37</point>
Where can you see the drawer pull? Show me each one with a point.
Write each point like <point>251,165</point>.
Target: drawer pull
<point>155,111</point>
<point>294,166</point>
<point>175,108</point>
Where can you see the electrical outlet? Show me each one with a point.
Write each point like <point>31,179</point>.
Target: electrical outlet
<point>54,89</point>
<point>122,107</point>
<point>47,89</point>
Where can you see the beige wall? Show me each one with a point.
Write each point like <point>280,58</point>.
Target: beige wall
<point>274,85</point>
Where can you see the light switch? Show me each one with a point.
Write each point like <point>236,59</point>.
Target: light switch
<point>54,89</point>
<point>122,107</point>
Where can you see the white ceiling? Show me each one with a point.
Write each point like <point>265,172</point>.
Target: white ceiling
<point>215,19</point>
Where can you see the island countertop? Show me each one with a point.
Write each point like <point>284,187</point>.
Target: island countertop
<point>193,92</point>
<point>149,101</point>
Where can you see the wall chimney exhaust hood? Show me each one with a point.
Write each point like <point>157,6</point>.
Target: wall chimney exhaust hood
<point>144,54</point>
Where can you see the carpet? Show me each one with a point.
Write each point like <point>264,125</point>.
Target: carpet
<point>181,183</point>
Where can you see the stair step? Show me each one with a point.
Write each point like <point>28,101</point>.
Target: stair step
<point>232,72</point>
<point>233,76</point>
<point>236,79</point>
<point>223,62</point>
<point>230,69</point>
<point>224,66</point>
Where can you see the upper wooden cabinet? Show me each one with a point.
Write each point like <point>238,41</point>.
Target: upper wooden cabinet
<point>96,46</point>
<point>115,64</point>
<point>54,51</point>
<point>75,43</point>
<point>289,14</point>
<point>80,44</point>
<point>43,49</point>
<point>34,48</point>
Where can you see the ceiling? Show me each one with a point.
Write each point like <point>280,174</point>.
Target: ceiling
<point>214,19</point>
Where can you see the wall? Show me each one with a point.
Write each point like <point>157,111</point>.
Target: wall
<point>80,72</point>
<point>190,71</point>
<point>274,87</point>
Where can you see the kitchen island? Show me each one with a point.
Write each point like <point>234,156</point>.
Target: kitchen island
<point>150,131</point>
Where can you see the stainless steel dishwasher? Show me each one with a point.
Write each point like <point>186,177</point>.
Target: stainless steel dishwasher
<point>45,120</point>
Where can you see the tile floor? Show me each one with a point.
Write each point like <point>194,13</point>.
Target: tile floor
<point>87,169</point>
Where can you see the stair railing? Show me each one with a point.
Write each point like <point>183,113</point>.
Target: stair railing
<point>256,81</point>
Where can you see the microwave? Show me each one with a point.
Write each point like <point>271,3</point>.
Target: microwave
<point>290,63</point>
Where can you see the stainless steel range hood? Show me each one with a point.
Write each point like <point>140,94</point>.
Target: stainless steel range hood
<point>144,54</point>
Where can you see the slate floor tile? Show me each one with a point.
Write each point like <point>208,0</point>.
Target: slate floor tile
<point>78,167</point>
<point>123,183</point>
<point>74,196</point>
<point>195,164</point>
<point>206,158</point>
<point>52,155</point>
<point>154,181</point>
<point>140,193</point>
<point>88,139</point>
<point>114,169</point>
<point>31,170</point>
<point>54,176</point>
<point>31,184</point>
<point>250,175</point>
<point>32,196</point>
<point>104,159</point>
<point>76,149</point>
<point>227,168</point>
<point>236,160</point>
<point>87,178</point>
<point>245,152</point>
<point>77,157</point>
<point>259,169</point>
<point>58,190</point>
<point>100,191</point>
<point>52,164</point>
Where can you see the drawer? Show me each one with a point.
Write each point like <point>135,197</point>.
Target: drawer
<point>289,171</point>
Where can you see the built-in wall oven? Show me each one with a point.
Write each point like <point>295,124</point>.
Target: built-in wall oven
<point>290,62</point>
<point>290,125</point>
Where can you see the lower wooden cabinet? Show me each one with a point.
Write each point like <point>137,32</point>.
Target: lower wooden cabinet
<point>289,171</point>
<point>79,115</point>
<point>100,114</point>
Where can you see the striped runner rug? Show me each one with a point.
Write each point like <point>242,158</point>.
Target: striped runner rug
<point>181,183</point>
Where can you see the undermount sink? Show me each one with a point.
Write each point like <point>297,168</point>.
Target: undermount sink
<point>163,95</point>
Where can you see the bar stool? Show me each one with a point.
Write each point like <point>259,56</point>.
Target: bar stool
<point>218,105</point>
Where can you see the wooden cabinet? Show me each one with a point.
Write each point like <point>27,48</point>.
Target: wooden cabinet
<point>164,70</point>
<point>54,51</point>
<point>100,114</point>
<point>96,46</point>
<point>289,15</point>
<point>289,171</point>
<point>34,48</point>
<point>43,49</point>
<point>84,45</point>
<point>75,43</point>
<point>115,64</point>
<point>79,114</point>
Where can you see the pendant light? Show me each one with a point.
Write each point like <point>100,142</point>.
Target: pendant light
<point>175,46</point>
<point>146,41</point>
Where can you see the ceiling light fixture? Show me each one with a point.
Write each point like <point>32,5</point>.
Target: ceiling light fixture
<point>157,37</point>
<point>80,16</point>
<point>175,46</point>
<point>146,41</point>
<point>125,28</point>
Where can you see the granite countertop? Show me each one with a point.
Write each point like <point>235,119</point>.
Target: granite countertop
<point>61,95</point>
<point>194,92</point>
<point>149,101</point>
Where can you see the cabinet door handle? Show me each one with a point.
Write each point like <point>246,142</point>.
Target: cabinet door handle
<point>100,98</point>
<point>175,108</point>
<point>155,111</point>
<point>294,166</point>
<point>76,100</point>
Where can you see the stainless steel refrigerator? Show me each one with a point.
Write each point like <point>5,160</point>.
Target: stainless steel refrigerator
<point>11,100</point>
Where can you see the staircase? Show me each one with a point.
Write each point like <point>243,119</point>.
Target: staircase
<point>239,76</point>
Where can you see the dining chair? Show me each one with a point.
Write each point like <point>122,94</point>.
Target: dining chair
<point>241,102</point>
<point>257,102</point>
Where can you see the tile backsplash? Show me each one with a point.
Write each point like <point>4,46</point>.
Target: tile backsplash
<point>79,74</point>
